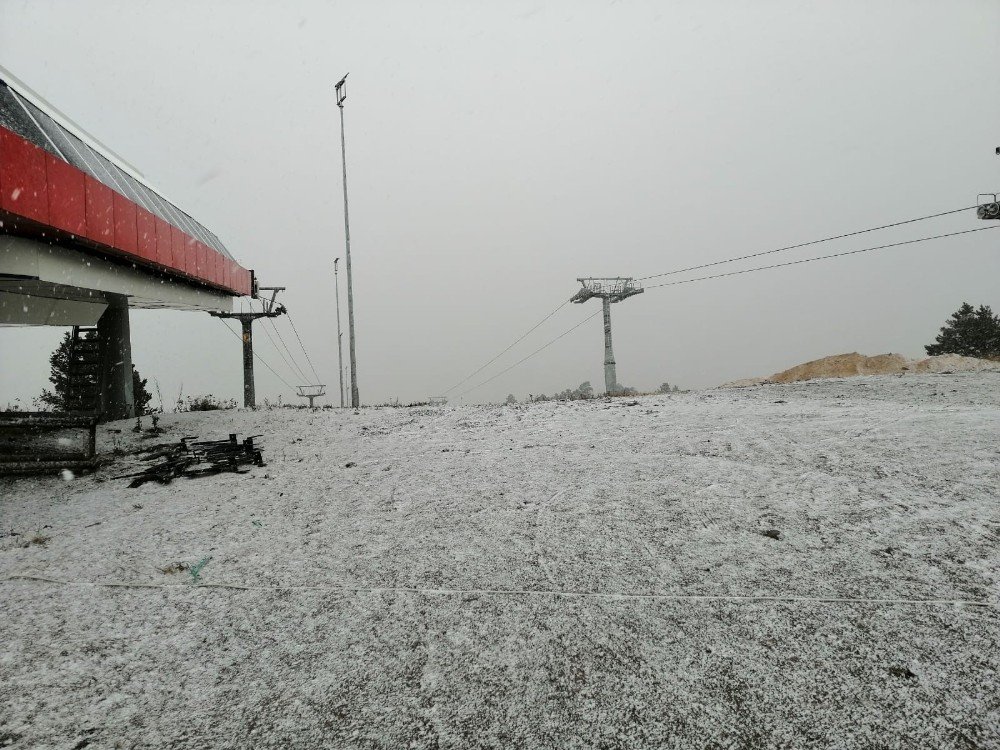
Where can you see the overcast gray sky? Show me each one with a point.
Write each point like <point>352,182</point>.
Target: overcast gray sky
<point>496,151</point>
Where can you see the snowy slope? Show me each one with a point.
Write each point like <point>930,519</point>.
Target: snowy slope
<point>584,574</point>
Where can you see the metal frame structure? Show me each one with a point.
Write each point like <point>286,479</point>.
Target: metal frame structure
<point>609,289</point>
<point>270,310</point>
<point>24,449</point>
<point>310,392</point>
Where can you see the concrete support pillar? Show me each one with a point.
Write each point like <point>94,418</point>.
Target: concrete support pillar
<point>610,376</point>
<point>117,398</point>
<point>249,397</point>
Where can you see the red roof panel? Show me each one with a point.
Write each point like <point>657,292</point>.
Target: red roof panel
<point>24,182</point>
<point>39,186</point>
<point>126,235</point>
<point>67,196</point>
<point>145,225</point>
<point>100,211</point>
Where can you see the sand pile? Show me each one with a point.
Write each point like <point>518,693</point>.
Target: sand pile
<point>843,366</point>
<point>849,365</point>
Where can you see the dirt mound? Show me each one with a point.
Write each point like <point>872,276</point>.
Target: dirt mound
<point>843,366</point>
<point>850,365</point>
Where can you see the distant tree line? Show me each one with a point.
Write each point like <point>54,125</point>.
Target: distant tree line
<point>586,391</point>
<point>667,388</point>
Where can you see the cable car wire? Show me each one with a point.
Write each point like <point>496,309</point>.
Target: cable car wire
<point>296,331</point>
<point>295,363</point>
<point>271,339</point>
<point>538,350</point>
<point>804,244</point>
<point>262,360</point>
<point>522,338</point>
<point>820,257</point>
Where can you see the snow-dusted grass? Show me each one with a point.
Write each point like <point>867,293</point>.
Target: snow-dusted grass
<point>580,574</point>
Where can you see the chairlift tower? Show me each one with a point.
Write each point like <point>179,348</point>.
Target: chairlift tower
<point>270,310</point>
<point>609,290</point>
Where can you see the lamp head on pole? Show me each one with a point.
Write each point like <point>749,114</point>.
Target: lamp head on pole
<point>341,89</point>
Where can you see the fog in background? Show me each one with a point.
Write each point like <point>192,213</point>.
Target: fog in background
<point>497,151</point>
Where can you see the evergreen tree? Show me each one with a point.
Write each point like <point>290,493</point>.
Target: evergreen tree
<point>664,388</point>
<point>58,376</point>
<point>511,399</point>
<point>970,332</point>
<point>139,393</point>
<point>58,398</point>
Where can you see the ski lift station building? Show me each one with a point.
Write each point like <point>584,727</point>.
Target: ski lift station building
<point>84,237</point>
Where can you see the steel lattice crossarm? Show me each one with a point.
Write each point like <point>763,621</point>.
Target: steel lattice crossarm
<point>613,288</point>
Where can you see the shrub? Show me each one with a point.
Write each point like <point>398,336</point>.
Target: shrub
<point>205,403</point>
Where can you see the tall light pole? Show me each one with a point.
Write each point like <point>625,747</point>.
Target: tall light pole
<point>341,89</point>
<point>340,348</point>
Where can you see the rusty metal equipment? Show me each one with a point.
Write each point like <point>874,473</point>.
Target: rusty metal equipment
<point>192,458</point>
<point>47,442</point>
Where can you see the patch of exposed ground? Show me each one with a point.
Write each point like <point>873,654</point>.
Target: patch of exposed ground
<point>854,364</point>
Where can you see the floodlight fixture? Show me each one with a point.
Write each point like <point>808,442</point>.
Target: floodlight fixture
<point>341,89</point>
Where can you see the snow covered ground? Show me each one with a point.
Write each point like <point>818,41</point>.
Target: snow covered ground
<point>585,574</point>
